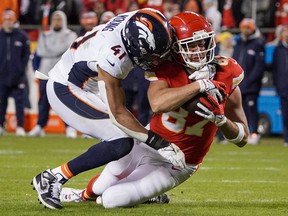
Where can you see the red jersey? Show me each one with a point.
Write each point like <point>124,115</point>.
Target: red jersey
<point>191,133</point>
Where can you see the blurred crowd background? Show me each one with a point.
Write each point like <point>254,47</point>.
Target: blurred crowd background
<point>251,31</point>
<point>223,14</point>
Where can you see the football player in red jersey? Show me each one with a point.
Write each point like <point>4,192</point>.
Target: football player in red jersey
<point>136,178</point>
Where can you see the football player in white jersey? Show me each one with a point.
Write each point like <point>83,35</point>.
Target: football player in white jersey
<point>138,177</point>
<point>84,89</point>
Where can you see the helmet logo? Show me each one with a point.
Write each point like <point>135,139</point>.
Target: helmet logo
<point>145,32</point>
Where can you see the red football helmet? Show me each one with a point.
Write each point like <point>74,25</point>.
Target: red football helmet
<point>195,40</point>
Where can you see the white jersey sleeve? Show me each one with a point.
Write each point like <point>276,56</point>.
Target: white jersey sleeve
<point>101,47</point>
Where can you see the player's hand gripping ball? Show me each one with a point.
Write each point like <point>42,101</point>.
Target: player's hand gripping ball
<point>191,105</point>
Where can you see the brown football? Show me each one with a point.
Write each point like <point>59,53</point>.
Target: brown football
<point>191,105</point>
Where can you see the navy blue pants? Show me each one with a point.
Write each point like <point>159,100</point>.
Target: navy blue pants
<point>284,110</point>
<point>43,104</point>
<point>249,103</point>
<point>18,92</point>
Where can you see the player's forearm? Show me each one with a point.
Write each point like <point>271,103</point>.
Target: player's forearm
<point>169,99</point>
<point>119,114</point>
<point>237,134</point>
<point>129,124</point>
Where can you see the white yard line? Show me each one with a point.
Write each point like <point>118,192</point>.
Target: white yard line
<point>10,152</point>
<point>240,181</point>
<point>240,168</point>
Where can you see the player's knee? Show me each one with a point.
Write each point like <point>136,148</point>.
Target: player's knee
<point>116,198</point>
<point>121,147</point>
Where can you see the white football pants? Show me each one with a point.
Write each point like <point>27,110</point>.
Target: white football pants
<point>137,177</point>
<point>82,110</point>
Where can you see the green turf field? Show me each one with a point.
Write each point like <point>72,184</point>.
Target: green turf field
<point>232,181</point>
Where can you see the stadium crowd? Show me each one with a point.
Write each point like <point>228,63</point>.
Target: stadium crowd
<point>230,19</point>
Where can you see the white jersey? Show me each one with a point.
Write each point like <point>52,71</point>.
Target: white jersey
<point>103,47</point>
<point>72,88</point>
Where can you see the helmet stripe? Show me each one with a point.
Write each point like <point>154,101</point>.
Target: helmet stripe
<point>160,18</point>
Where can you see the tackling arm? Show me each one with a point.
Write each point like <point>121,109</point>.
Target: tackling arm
<point>112,93</point>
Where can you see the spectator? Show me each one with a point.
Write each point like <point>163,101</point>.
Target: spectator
<point>194,5</point>
<point>270,47</point>
<point>88,21</point>
<point>171,9</point>
<point>106,16</point>
<point>212,14</point>
<point>11,4</point>
<point>99,8</point>
<point>231,14</point>
<point>88,5</point>
<point>225,45</point>
<point>263,11</point>
<point>116,6</point>
<point>249,52</point>
<point>133,6</point>
<point>51,45</point>
<point>225,8</point>
<point>280,72</point>
<point>155,4</point>
<point>14,56</point>
<point>281,14</point>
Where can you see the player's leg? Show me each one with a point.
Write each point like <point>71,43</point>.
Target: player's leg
<point>87,114</point>
<point>43,105</point>
<point>152,176</point>
<point>82,110</point>
<point>284,108</point>
<point>4,93</point>
<point>48,183</point>
<point>111,174</point>
<point>252,114</point>
<point>18,93</point>
<point>79,195</point>
<point>43,111</point>
<point>144,183</point>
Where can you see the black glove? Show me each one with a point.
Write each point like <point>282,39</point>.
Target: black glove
<point>155,141</point>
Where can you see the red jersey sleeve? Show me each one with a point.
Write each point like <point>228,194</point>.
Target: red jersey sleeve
<point>228,72</point>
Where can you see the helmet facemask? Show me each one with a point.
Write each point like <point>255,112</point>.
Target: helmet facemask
<point>150,61</point>
<point>197,51</point>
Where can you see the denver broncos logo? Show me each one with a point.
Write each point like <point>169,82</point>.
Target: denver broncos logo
<point>145,31</point>
<point>145,22</point>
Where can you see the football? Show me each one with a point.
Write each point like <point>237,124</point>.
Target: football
<point>191,105</point>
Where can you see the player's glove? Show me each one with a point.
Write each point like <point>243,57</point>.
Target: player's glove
<point>214,88</point>
<point>206,72</point>
<point>174,154</point>
<point>211,110</point>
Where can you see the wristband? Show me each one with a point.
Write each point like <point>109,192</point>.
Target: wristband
<point>155,141</point>
<point>240,135</point>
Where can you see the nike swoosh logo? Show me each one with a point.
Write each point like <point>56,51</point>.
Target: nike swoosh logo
<point>42,186</point>
<point>112,64</point>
